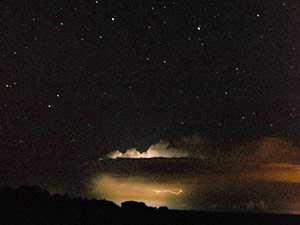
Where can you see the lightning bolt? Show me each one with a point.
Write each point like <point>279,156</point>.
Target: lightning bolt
<point>175,192</point>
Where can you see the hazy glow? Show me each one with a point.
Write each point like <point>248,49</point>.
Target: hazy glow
<point>281,172</point>
<point>135,189</point>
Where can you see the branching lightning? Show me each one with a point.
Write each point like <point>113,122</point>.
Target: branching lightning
<point>175,192</point>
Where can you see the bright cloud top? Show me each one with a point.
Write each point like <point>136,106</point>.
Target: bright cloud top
<point>158,150</point>
<point>161,149</point>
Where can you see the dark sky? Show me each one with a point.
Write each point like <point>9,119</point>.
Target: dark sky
<point>79,80</point>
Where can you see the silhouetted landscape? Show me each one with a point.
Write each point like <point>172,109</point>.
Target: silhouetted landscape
<point>34,205</point>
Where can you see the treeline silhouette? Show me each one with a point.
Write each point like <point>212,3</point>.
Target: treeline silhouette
<point>34,205</point>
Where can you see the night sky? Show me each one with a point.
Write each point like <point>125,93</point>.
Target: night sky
<point>81,80</point>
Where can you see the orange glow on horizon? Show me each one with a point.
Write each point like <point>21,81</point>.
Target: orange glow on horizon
<point>119,190</point>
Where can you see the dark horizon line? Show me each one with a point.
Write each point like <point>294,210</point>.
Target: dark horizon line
<point>37,188</point>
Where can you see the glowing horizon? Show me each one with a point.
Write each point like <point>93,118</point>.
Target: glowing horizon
<point>135,189</point>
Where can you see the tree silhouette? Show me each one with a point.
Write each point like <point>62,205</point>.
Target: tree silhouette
<point>34,205</point>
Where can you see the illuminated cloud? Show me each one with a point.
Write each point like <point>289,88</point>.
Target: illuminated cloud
<point>185,148</point>
<point>261,175</point>
<point>158,150</point>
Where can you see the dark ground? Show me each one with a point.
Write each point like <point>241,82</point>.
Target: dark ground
<point>33,205</point>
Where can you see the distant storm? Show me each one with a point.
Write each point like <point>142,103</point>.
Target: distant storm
<point>136,189</point>
<point>252,176</point>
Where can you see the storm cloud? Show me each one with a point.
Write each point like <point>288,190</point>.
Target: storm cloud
<point>261,175</point>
